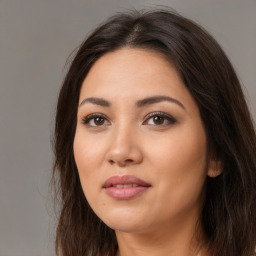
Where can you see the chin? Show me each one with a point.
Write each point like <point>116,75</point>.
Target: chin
<point>125,223</point>
<point>126,227</point>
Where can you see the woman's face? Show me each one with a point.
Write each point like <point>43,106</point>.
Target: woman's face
<point>140,144</point>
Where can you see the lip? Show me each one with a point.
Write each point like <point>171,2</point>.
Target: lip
<point>125,187</point>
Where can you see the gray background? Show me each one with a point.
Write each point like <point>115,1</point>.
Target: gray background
<point>36,37</point>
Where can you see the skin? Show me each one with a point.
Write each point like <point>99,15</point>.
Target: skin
<point>168,153</point>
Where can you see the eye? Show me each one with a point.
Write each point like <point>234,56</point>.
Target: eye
<point>95,120</point>
<point>159,119</point>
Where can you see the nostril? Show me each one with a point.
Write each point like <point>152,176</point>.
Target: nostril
<point>127,161</point>
<point>111,162</point>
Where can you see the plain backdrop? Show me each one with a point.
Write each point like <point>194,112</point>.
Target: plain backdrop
<point>36,37</point>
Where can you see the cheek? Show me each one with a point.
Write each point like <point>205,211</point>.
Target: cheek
<point>88,151</point>
<point>85,148</point>
<point>88,156</point>
<point>180,169</point>
<point>183,151</point>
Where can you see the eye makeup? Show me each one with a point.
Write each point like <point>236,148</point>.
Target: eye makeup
<point>159,118</point>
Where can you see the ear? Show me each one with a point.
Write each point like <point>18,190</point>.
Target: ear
<point>215,168</point>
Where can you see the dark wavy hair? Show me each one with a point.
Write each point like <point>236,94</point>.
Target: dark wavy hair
<point>229,211</point>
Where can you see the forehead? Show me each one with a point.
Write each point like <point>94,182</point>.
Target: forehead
<point>135,61</point>
<point>131,74</point>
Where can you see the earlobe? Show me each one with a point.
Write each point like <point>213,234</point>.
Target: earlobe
<point>215,168</point>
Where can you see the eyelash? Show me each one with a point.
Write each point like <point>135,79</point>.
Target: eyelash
<point>90,117</point>
<point>170,119</point>
<point>166,117</point>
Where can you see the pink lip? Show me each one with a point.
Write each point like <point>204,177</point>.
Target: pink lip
<point>113,187</point>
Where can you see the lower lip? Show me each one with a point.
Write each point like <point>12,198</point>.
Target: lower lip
<point>125,193</point>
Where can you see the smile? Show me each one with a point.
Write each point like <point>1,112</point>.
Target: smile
<point>125,187</point>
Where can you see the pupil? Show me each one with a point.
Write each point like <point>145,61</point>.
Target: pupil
<point>99,120</point>
<point>158,119</point>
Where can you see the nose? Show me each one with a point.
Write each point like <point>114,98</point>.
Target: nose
<point>125,148</point>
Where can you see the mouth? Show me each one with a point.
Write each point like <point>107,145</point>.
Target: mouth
<point>125,187</point>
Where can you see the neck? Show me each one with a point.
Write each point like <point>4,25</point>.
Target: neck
<point>181,239</point>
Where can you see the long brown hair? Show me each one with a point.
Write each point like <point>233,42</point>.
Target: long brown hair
<point>229,212</point>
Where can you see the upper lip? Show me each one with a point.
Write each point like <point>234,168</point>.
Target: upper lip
<point>124,180</point>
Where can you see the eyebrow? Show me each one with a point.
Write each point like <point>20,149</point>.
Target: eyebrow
<point>139,103</point>
<point>97,101</point>
<point>157,99</point>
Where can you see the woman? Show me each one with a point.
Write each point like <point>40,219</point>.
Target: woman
<point>154,144</point>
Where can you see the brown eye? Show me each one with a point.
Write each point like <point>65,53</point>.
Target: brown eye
<point>95,120</point>
<point>159,119</point>
<point>98,121</point>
